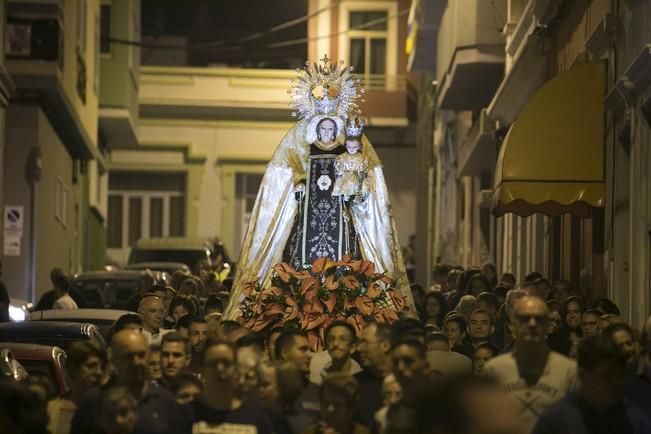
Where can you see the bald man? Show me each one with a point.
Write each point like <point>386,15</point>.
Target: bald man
<point>152,311</point>
<point>158,412</point>
<point>533,374</point>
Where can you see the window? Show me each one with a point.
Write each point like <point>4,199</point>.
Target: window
<point>247,185</point>
<point>105,29</point>
<point>368,41</point>
<point>145,205</point>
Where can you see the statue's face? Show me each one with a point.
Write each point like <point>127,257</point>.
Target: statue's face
<point>326,131</point>
<point>352,146</point>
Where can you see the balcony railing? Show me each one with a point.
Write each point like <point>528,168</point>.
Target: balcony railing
<point>382,82</point>
<point>232,92</point>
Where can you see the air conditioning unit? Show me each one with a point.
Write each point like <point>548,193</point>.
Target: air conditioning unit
<point>34,30</point>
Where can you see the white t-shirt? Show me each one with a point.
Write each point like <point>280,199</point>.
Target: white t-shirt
<point>558,379</point>
<point>65,302</point>
<point>321,362</point>
<point>156,338</point>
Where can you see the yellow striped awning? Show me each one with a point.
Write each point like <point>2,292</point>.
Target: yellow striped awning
<point>552,159</point>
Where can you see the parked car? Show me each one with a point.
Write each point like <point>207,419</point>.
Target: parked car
<point>111,289</point>
<point>10,368</point>
<point>52,333</point>
<point>189,251</point>
<point>42,359</point>
<point>102,318</point>
<point>167,267</point>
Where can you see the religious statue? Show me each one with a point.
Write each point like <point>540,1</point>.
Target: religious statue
<point>351,167</point>
<point>302,211</point>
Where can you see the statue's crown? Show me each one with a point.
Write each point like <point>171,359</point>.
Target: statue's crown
<point>355,127</point>
<point>325,89</point>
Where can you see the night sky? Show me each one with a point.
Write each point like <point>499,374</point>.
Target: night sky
<point>204,21</point>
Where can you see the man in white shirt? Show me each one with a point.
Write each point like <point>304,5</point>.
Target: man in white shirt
<point>61,285</point>
<point>152,310</point>
<point>532,374</point>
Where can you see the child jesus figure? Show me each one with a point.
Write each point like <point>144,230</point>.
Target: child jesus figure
<point>350,170</point>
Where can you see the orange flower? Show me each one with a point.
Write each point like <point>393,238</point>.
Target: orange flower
<point>260,324</point>
<point>313,306</point>
<point>357,322</point>
<point>319,265</point>
<point>272,309</point>
<point>355,265</point>
<point>303,275</point>
<point>367,268</point>
<point>291,311</point>
<point>390,315</point>
<point>327,322</point>
<point>375,289</point>
<point>364,305</point>
<point>284,271</point>
<point>350,282</point>
<point>248,289</point>
<point>384,278</point>
<point>398,300</point>
<point>272,291</point>
<point>331,283</point>
<point>309,287</point>
<point>312,320</point>
<point>378,316</point>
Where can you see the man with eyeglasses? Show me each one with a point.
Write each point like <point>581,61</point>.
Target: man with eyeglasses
<point>152,311</point>
<point>374,348</point>
<point>533,374</point>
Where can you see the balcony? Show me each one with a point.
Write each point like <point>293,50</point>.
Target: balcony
<point>526,60</point>
<point>214,93</point>
<point>53,71</point>
<point>422,31</point>
<point>478,151</point>
<point>470,58</point>
<point>118,114</point>
<point>252,94</point>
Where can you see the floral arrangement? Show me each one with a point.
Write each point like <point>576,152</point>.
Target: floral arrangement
<point>326,291</point>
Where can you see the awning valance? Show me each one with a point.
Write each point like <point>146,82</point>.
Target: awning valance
<point>552,159</point>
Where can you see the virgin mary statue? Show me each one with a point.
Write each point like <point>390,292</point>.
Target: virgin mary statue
<point>296,218</point>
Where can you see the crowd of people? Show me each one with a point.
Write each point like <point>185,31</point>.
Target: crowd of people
<point>482,354</point>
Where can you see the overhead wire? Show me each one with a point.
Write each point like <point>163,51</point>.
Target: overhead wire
<point>215,45</point>
<point>219,44</point>
<point>358,27</point>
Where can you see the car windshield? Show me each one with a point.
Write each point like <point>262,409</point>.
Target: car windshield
<point>107,293</point>
<point>189,257</point>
